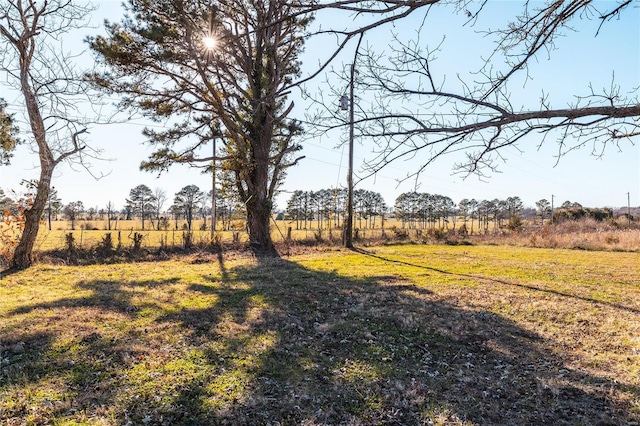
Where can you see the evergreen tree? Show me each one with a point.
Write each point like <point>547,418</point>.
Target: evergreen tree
<point>141,202</point>
<point>187,201</point>
<point>236,92</point>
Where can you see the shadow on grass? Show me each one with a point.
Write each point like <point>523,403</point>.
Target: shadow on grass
<point>105,294</point>
<point>503,282</point>
<point>280,343</point>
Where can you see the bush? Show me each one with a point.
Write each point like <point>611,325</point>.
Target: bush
<point>438,234</point>
<point>187,239</point>
<point>105,246</point>
<point>399,233</point>
<point>11,231</point>
<point>70,247</point>
<point>515,224</point>
<point>137,241</point>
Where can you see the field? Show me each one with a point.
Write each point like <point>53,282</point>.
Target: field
<point>586,234</point>
<point>90,233</point>
<point>412,334</point>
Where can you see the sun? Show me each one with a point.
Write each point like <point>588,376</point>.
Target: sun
<point>209,42</point>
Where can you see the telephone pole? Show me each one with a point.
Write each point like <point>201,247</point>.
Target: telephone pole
<point>629,209</point>
<point>213,192</point>
<point>348,228</point>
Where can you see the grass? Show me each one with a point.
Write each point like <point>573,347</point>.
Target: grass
<point>408,334</point>
<point>585,234</point>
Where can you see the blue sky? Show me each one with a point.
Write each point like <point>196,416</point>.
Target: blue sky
<point>581,59</point>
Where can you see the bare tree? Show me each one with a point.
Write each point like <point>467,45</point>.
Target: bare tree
<point>110,209</point>
<point>473,112</point>
<point>160,198</point>
<point>37,67</point>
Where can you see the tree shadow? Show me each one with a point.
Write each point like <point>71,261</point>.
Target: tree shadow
<point>278,343</point>
<point>105,294</point>
<point>502,282</point>
<point>378,351</point>
<point>86,365</point>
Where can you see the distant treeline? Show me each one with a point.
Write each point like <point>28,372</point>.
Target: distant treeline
<point>325,208</point>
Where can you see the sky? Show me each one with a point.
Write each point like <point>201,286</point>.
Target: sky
<point>531,173</point>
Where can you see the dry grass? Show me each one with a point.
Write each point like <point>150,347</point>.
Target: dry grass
<point>408,334</point>
<point>586,234</point>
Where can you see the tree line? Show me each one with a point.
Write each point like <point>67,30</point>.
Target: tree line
<point>144,204</point>
<point>322,209</point>
<point>327,208</point>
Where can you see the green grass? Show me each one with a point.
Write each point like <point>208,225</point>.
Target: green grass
<point>392,335</point>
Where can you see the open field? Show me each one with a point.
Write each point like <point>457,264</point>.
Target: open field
<point>585,234</point>
<point>407,335</point>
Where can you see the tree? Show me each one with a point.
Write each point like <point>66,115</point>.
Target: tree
<point>53,207</point>
<point>141,202</point>
<point>51,91</point>
<point>8,134</point>
<point>73,210</point>
<point>514,206</point>
<point>444,207</point>
<point>406,206</point>
<point>160,198</point>
<point>465,208</point>
<point>6,204</point>
<point>295,207</point>
<point>187,200</point>
<point>475,112</point>
<point>110,209</point>
<point>236,93</point>
<point>228,204</point>
<point>544,207</point>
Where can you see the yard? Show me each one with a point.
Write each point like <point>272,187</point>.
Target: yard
<point>401,334</point>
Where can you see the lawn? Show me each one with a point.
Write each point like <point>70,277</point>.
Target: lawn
<point>405,335</point>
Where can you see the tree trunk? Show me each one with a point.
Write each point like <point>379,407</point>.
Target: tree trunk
<point>258,221</point>
<point>22,258</point>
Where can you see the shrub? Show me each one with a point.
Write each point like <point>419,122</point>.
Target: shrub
<point>137,241</point>
<point>187,239</point>
<point>515,224</point>
<point>70,247</point>
<point>105,246</point>
<point>611,239</point>
<point>11,231</point>
<point>438,234</point>
<point>399,233</point>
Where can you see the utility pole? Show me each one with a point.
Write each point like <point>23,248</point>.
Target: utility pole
<point>348,229</point>
<point>213,192</point>
<point>629,209</point>
<point>552,208</point>
<point>348,226</point>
